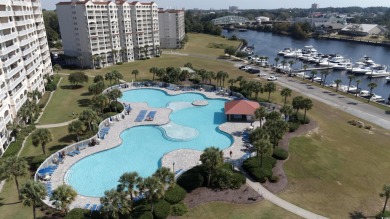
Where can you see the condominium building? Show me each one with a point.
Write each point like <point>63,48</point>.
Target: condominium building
<point>24,58</point>
<point>172,28</point>
<point>100,33</point>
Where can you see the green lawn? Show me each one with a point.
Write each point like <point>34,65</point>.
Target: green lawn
<point>261,210</point>
<point>202,44</point>
<point>66,100</point>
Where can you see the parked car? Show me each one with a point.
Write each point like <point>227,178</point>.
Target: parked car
<point>261,74</point>
<point>242,67</point>
<point>272,78</point>
<point>253,71</point>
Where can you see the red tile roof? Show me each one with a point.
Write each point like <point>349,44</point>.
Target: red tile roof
<point>241,107</point>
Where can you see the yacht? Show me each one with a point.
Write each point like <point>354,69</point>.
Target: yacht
<point>326,63</point>
<point>377,74</point>
<point>317,79</point>
<point>367,60</point>
<point>336,59</point>
<point>360,70</point>
<point>342,66</point>
<point>284,69</point>
<point>376,98</point>
<point>309,49</point>
<point>388,78</point>
<point>284,51</point>
<point>293,54</point>
<point>364,93</point>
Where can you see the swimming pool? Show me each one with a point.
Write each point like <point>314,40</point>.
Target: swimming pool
<point>191,127</point>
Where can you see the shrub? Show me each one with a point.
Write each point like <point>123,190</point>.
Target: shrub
<point>179,209</point>
<point>190,181</point>
<point>144,215</point>
<point>274,179</point>
<point>162,209</point>
<point>76,213</point>
<point>260,174</point>
<point>175,194</point>
<point>383,215</point>
<point>280,154</point>
<point>293,126</point>
<point>36,161</point>
<point>51,86</point>
<point>227,178</point>
<point>119,63</point>
<point>367,126</point>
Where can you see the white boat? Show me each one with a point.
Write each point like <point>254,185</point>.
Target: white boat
<point>376,98</point>
<point>284,69</point>
<point>388,78</point>
<point>342,66</point>
<point>377,74</point>
<point>360,70</point>
<point>364,93</point>
<point>326,63</point>
<point>308,49</point>
<point>336,59</point>
<point>284,51</point>
<point>344,88</point>
<point>317,79</point>
<point>366,60</point>
<point>293,54</point>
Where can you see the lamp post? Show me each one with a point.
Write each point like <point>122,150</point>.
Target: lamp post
<point>173,165</point>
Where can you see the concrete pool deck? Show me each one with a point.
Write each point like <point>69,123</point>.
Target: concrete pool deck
<point>183,158</point>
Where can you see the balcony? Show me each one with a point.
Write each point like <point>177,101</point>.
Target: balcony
<point>39,11</point>
<point>28,60</point>
<point>40,35</point>
<point>20,103</point>
<point>20,13</point>
<point>5,26</point>
<point>8,37</point>
<point>39,19</point>
<point>11,73</point>
<point>8,50</point>
<point>12,83</point>
<point>6,13</point>
<point>40,27</point>
<point>26,41</point>
<point>20,3</point>
<point>11,60</point>
<point>26,31</point>
<point>35,4</point>
<point>29,50</point>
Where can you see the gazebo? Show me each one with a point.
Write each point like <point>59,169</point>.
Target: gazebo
<point>241,110</point>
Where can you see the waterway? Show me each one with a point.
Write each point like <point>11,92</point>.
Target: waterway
<point>268,44</point>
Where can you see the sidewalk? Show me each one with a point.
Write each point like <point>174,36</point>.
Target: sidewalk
<point>55,125</point>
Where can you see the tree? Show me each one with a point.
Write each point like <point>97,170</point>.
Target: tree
<point>77,78</point>
<point>154,71</point>
<point>269,87</point>
<point>115,203</point>
<point>313,73</point>
<point>12,168</point>
<point>286,92</point>
<point>76,127</point>
<point>307,104</point>
<point>155,190</point>
<point>116,76</point>
<point>230,50</point>
<point>274,115</point>
<point>114,95</point>
<point>41,137</point>
<point>89,117</point>
<point>297,103</point>
<point>57,68</point>
<point>100,102</point>
<point>232,81</point>
<point>350,78</point>
<point>109,77</point>
<point>326,73</point>
<point>338,81</point>
<point>275,130</point>
<point>188,65</point>
<point>276,61</point>
<point>128,181</point>
<point>135,72</point>
<point>32,193</point>
<point>96,88</point>
<point>305,66</point>
<point>263,146</point>
<point>62,197</point>
<point>287,111</point>
<point>257,88</point>
<point>371,85</point>
<point>211,159</point>
<point>386,195</point>
<point>98,78</point>
<point>357,86</point>
<point>260,113</point>
<point>161,73</point>
<point>166,176</point>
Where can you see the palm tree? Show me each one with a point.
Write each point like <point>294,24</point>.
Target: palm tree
<point>276,130</point>
<point>41,137</point>
<point>155,190</point>
<point>291,63</point>
<point>153,70</point>
<point>96,88</point>
<point>371,85</point>
<point>297,103</point>
<point>135,72</point>
<point>57,68</point>
<point>224,76</point>
<point>307,104</point>
<point>166,176</point>
<point>161,73</point>
<point>322,72</point>
<point>114,204</point>
<point>305,66</point>
<point>257,88</point>
<point>211,159</point>
<point>286,92</point>
<point>357,86</point>
<point>326,73</point>
<point>109,76</point>
<point>269,87</point>
<point>287,111</point>
<point>77,128</point>
<point>89,117</point>
<point>386,195</point>
<point>276,60</point>
<point>263,146</point>
<point>12,168</point>
<point>32,194</point>
<point>284,62</point>
<point>350,77</point>
<point>232,81</point>
<point>128,181</point>
<point>338,81</point>
<point>114,52</point>
<point>260,113</point>
<point>100,102</point>
<point>116,76</point>
<point>63,196</point>
<point>114,95</point>
<point>313,73</point>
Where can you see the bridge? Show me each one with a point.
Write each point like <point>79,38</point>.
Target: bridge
<point>229,20</point>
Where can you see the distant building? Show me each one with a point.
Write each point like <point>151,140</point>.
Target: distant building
<point>324,20</point>
<point>363,30</point>
<point>233,8</point>
<point>172,28</point>
<point>262,19</point>
<point>315,6</point>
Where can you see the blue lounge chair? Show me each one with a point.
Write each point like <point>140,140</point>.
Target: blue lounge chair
<point>93,208</point>
<point>150,116</point>
<point>87,206</point>
<point>99,207</point>
<point>71,153</point>
<point>77,151</point>
<point>141,116</point>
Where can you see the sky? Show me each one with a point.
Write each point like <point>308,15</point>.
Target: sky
<point>248,4</point>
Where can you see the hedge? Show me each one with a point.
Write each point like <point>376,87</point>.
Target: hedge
<point>77,213</point>
<point>191,179</point>
<point>162,209</point>
<point>293,126</point>
<point>179,209</point>
<point>43,101</point>
<point>15,146</point>
<point>280,154</point>
<point>175,194</point>
<point>260,174</point>
<point>227,178</point>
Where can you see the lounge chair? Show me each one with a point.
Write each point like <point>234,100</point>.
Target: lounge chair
<point>150,116</point>
<point>141,116</point>
<point>87,206</point>
<point>71,153</point>
<point>93,208</point>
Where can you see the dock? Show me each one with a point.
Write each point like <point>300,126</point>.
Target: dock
<point>311,69</point>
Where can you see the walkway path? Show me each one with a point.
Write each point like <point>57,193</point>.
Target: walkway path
<point>55,125</point>
<point>361,110</point>
<point>280,202</point>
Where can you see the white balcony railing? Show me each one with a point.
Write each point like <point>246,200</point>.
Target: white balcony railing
<point>7,50</point>
<point>11,60</point>
<point>5,26</point>
<point>6,13</point>
<point>4,38</point>
<point>11,73</point>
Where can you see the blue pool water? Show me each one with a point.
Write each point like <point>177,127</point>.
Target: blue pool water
<point>144,146</point>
